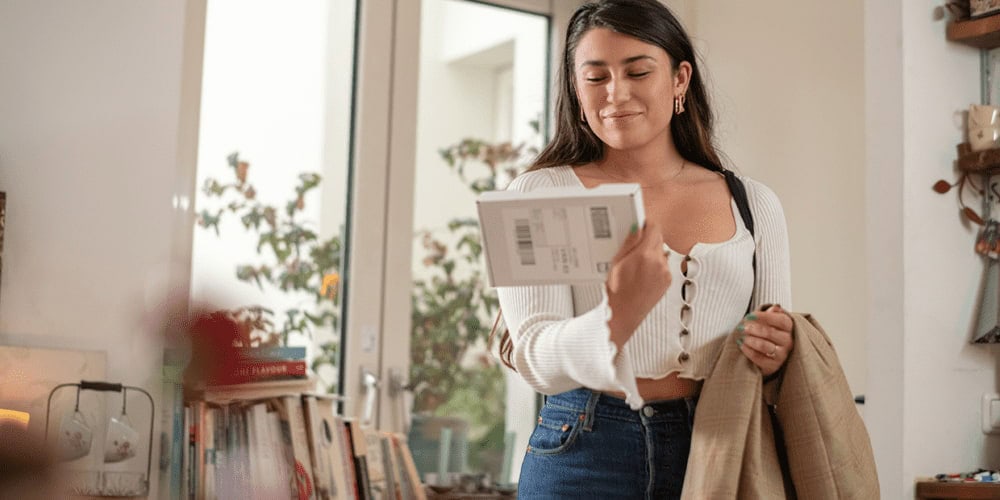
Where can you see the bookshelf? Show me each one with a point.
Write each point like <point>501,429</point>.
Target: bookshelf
<point>275,438</point>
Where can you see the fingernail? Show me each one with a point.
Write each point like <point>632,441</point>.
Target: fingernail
<point>751,317</point>
<point>739,340</point>
<point>635,227</point>
<point>741,327</point>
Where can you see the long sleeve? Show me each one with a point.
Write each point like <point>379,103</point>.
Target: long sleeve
<point>773,282</point>
<point>556,348</point>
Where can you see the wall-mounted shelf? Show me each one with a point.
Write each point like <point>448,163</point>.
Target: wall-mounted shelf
<point>978,162</point>
<point>982,33</point>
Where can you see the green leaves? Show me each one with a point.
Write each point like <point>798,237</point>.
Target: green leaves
<point>292,257</point>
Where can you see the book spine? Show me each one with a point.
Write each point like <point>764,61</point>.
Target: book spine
<point>177,446</point>
<point>208,440</point>
<point>257,371</point>
<point>317,443</point>
<point>357,475</point>
<point>389,465</point>
<point>186,491</point>
<point>411,467</point>
<point>343,485</point>
<point>304,478</point>
<point>277,353</point>
<point>284,486</point>
<point>199,435</point>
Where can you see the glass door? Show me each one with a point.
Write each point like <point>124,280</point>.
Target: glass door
<point>482,100</point>
<point>273,172</point>
<point>482,73</point>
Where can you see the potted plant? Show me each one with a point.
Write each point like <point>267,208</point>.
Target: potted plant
<point>455,380</point>
<point>293,259</point>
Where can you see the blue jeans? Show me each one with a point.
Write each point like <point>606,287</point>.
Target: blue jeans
<point>591,445</point>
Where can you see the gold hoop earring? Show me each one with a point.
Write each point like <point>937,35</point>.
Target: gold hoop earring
<point>679,104</point>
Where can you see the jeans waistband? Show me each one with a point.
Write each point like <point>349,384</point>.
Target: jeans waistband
<point>595,403</point>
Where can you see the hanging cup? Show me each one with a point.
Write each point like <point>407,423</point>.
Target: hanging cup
<point>121,439</point>
<point>75,437</point>
<point>984,127</point>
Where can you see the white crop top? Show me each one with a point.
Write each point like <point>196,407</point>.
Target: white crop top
<point>560,333</point>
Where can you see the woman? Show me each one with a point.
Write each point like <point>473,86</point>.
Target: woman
<point>623,362</point>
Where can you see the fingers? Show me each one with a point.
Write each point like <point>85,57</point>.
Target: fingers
<point>766,364</point>
<point>760,345</point>
<point>630,243</point>
<point>646,239</point>
<point>767,326</point>
<point>766,338</point>
<point>775,316</point>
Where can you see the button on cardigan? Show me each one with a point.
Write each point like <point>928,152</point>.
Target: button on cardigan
<point>561,340</point>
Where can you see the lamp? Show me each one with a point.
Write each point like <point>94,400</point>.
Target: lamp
<point>13,417</point>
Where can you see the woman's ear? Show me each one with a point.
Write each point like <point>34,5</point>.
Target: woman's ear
<point>682,77</point>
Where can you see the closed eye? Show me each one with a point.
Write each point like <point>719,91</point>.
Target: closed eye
<point>638,75</point>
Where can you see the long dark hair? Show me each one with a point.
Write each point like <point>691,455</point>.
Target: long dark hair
<point>575,143</point>
<point>652,22</point>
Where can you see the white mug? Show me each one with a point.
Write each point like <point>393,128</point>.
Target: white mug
<point>984,127</point>
<point>75,437</point>
<point>121,440</point>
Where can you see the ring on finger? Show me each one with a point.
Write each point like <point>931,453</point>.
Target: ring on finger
<point>773,352</point>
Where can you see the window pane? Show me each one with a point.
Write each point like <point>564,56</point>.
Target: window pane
<point>273,167</point>
<point>482,94</point>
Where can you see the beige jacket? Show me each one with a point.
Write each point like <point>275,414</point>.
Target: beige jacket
<point>733,453</point>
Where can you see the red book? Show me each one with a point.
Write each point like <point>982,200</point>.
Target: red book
<point>253,370</point>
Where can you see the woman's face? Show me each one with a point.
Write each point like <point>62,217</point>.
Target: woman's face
<point>626,88</point>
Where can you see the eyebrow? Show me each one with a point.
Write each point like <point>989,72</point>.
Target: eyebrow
<point>628,60</point>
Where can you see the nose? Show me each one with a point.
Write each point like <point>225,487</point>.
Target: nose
<point>618,90</point>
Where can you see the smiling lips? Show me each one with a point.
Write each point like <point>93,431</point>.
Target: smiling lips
<point>618,115</point>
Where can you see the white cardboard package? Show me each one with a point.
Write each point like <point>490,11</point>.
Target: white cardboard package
<point>550,236</point>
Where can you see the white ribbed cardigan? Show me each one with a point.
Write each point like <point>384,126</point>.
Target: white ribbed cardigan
<point>560,333</point>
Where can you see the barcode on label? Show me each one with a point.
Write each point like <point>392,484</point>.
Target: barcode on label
<point>525,249</point>
<point>602,225</point>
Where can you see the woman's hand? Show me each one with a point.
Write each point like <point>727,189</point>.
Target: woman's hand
<point>638,278</point>
<point>767,338</point>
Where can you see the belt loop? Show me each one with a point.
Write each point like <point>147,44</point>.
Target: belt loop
<point>588,416</point>
<point>691,403</point>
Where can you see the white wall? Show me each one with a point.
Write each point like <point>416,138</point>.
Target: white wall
<point>923,409</point>
<point>89,121</point>
<point>790,113</point>
<point>944,376</point>
<point>884,194</point>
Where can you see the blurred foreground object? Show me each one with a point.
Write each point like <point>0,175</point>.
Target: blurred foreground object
<point>27,471</point>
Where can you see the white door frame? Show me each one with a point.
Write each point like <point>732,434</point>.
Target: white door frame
<point>387,114</point>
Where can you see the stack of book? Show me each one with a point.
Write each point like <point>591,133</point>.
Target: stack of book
<point>275,438</point>
<point>271,363</point>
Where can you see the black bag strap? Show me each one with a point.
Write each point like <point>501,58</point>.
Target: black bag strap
<point>739,192</point>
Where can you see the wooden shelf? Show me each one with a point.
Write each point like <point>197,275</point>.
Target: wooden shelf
<point>982,33</point>
<point>934,490</point>
<point>978,162</point>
